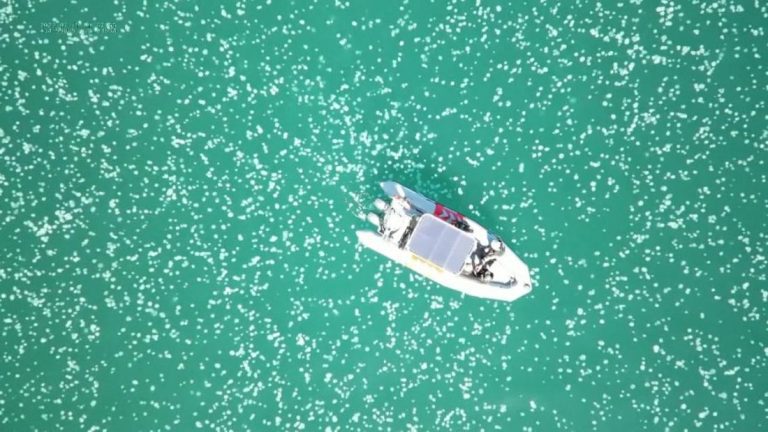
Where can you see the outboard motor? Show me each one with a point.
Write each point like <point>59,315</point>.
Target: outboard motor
<point>380,205</point>
<point>374,219</point>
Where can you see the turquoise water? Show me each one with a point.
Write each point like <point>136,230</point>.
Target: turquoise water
<point>180,185</point>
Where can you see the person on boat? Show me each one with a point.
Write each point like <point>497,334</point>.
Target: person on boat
<point>494,248</point>
<point>484,257</point>
<point>496,245</point>
<point>408,231</point>
<point>484,273</point>
<point>463,225</point>
<point>480,260</point>
<point>397,218</point>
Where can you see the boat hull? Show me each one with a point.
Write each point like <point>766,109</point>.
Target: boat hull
<point>463,284</point>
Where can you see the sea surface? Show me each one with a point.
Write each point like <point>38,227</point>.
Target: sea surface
<point>180,185</point>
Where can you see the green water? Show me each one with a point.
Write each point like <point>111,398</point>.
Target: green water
<point>180,185</point>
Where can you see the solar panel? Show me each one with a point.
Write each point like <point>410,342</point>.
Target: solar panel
<point>441,243</point>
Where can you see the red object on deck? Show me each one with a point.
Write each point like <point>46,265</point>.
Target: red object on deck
<point>451,216</point>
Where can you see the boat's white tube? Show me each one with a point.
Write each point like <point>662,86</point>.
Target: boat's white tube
<point>466,285</point>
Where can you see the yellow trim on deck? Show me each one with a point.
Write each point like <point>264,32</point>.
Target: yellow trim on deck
<point>415,257</point>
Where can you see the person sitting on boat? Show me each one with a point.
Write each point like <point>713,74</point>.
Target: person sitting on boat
<point>463,225</point>
<point>485,256</point>
<point>484,273</point>
<point>480,260</point>
<point>401,203</point>
<point>397,218</point>
<point>496,245</point>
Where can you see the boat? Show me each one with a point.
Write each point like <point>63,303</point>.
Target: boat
<point>444,245</point>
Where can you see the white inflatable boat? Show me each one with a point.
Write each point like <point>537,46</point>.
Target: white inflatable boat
<point>445,246</point>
